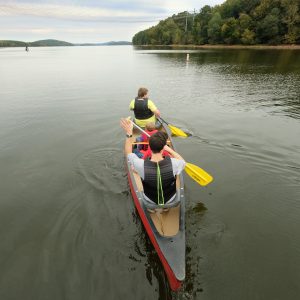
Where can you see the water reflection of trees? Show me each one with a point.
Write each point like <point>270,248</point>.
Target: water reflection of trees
<point>255,78</point>
<point>268,79</point>
<point>273,60</point>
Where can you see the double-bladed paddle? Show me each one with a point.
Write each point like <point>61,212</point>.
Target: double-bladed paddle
<point>195,172</point>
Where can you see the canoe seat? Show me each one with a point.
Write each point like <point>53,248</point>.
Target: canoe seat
<point>174,203</point>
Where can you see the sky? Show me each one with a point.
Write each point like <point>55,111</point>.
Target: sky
<point>86,21</point>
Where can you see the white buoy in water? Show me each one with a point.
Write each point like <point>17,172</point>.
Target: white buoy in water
<point>187,57</point>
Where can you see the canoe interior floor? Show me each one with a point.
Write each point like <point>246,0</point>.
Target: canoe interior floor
<point>167,222</point>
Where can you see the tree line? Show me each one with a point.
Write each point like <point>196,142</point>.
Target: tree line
<point>233,22</point>
<point>40,43</point>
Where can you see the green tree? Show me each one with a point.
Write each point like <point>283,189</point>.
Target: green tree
<point>268,29</point>
<point>230,8</point>
<point>247,6</point>
<point>177,37</point>
<point>230,31</point>
<point>248,37</point>
<point>201,21</point>
<point>235,21</point>
<point>264,8</point>
<point>214,28</point>
<point>245,21</point>
<point>291,18</point>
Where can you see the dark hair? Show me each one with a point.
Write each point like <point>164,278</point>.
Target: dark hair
<point>142,92</point>
<point>157,141</point>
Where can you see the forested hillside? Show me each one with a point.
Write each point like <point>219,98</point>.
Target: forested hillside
<point>8,43</point>
<point>233,22</point>
<point>49,43</point>
<point>41,43</point>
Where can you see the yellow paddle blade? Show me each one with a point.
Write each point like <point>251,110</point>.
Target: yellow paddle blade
<point>176,131</point>
<point>199,175</point>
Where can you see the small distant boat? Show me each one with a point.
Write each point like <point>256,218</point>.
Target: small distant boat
<point>165,227</point>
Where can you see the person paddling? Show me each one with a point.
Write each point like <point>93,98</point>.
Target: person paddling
<point>144,109</point>
<point>158,173</point>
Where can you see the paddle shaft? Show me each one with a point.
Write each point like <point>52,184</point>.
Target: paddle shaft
<point>175,131</point>
<point>160,118</point>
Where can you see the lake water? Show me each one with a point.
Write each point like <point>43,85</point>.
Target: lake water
<point>68,226</point>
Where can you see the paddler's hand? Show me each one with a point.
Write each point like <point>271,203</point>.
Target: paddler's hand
<point>157,113</point>
<point>172,152</point>
<point>126,124</point>
<point>168,149</point>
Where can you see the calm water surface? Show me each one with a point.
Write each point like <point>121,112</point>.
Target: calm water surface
<point>68,226</point>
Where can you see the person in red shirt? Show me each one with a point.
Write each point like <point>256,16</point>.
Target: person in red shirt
<point>142,148</point>
<point>150,129</point>
<point>148,152</point>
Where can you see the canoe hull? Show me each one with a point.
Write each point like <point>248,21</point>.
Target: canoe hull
<point>170,249</point>
<point>175,284</point>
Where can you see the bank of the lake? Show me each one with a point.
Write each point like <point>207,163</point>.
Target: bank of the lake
<point>232,22</point>
<point>209,46</point>
<point>56,43</point>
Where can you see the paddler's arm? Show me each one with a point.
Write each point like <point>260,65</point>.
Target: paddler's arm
<point>157,113</point>
<point>153,108</point>
<point>127,127</point>
<point>178,163</point>
<point>131,105</point>
<point>172,152</point>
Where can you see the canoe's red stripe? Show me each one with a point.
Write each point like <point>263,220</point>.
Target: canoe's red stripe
<point>175,284</point>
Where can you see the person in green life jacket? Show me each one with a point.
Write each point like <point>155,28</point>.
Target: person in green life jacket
<point>158,173</point>
<point>144,109</point>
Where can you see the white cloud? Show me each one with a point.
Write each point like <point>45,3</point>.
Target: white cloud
<point>29,30</point>
<point>94,21</point>
<point>73,12</point>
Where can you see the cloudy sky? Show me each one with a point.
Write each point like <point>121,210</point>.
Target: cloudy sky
<point>86,20</point>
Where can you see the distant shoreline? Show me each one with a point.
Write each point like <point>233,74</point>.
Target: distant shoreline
<point>51,46</point>
<point>56,43</point>
<point>288,47</point>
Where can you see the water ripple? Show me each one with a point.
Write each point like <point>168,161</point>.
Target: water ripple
<point>282,162</point>
<point>101,169</point>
